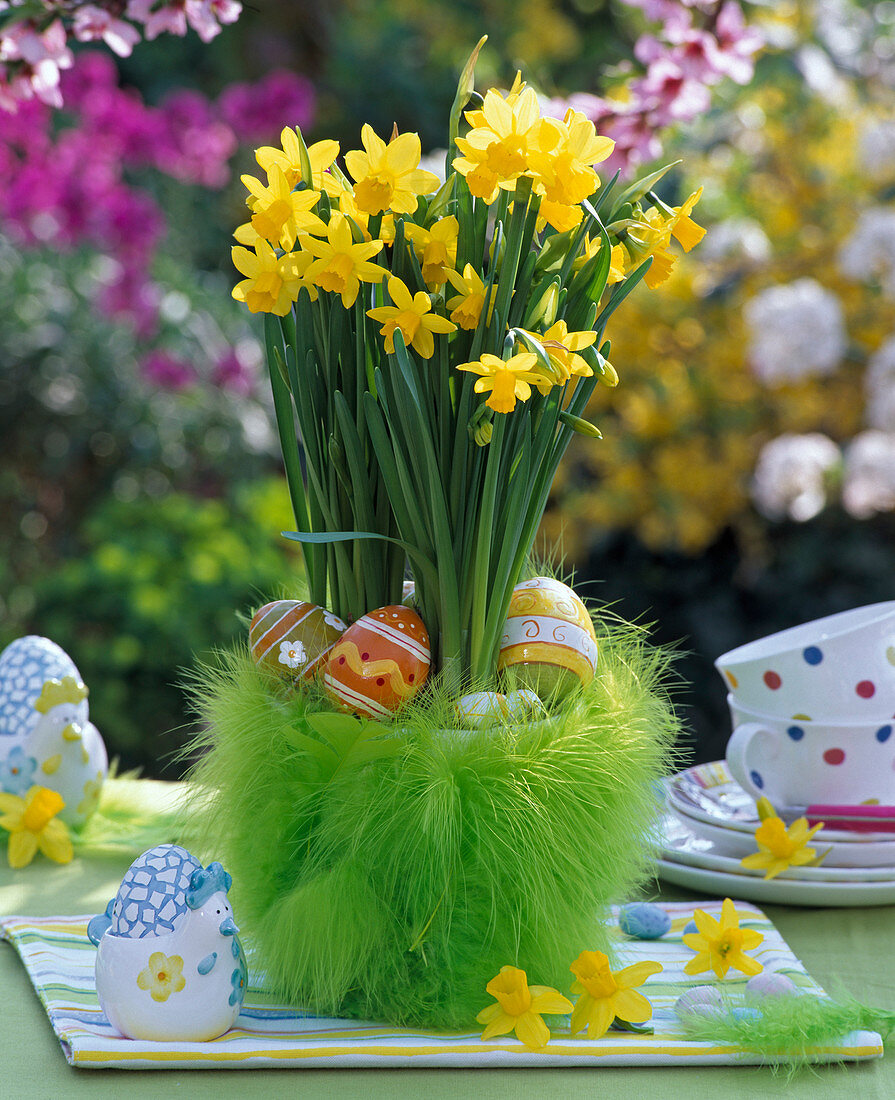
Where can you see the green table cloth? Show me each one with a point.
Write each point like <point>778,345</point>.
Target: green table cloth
<point>847,950</point>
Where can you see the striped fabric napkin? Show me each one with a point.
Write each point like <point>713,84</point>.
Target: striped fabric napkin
<point>60,959</point>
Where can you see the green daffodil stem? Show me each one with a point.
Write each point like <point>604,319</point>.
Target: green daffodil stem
<point>480,658</point>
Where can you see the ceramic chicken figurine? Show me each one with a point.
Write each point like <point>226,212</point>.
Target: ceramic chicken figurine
<point>169,964</point>
<point>46,736</point>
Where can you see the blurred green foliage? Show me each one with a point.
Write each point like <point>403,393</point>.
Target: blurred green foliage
<point>155,585</point>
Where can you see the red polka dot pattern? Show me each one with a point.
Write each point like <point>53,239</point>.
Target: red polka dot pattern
<point>772,680</point>
<point>834,756</point>
<point>866,689</point>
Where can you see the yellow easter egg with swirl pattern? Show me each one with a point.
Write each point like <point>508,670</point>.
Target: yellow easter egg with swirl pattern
<point>548,642</point>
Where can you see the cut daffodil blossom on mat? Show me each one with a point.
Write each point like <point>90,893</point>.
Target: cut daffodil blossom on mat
<point>605,996</point>
<point>32,824</point>
<point>780,847</point>
<point>519,1008</point>
<point>721,945</point>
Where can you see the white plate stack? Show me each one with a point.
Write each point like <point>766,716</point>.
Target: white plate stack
<point>709,826</point>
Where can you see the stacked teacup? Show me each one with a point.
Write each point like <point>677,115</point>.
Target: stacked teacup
<point>813,711</point>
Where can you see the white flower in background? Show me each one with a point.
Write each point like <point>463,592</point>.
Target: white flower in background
<point>792,474</point>
<point>736,239</point>
<point>876,149</point>
<point>868,484</point>
<point>292,654</point>
<point>795,330</point>
<point>869,253</point>
<point>879,387</point>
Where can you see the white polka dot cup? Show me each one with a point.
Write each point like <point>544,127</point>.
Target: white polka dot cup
<point>839,668</point>
<point>795,763</point>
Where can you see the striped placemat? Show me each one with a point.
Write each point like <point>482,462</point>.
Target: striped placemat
<point>60,960</point>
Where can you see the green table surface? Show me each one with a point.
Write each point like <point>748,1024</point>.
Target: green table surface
<point>849,950</point>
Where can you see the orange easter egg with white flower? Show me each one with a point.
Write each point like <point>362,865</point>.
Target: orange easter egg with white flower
<point>548,642</point>
<point>380,662</point>
<point>292,638</point>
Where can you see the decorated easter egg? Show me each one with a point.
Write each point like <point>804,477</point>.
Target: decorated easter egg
<point>769,983</point>
<point>293,638</point>
<point>380,662</point>
<point>524,704</point>
<point>548,642</point>
<point>481,708</point>
<point>644,921</point>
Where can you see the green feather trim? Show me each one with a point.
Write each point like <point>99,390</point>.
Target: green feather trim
<point>133,815</point>
<point>794,1029</point>
<point>388,871</point>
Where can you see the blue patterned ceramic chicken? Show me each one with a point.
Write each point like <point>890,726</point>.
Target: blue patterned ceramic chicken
<point>169,964</point>
<point>46,736</point>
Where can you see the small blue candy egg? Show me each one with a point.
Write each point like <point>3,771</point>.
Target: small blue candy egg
<point>743,1012</point>
<point>644,921</point>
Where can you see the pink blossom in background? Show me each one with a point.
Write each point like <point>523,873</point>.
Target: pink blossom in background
<point>167,372</point>
<point>737,43</point>
<point>92,24</point>
<point>64,179</point>
<point>257,112</point>
<point>232,373</point>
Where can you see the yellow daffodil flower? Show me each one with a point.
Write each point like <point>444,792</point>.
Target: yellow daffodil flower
<point>388,177</point>
<point>604,995</point>
<point>519,1008</point>
<point>507,381</point>
<point>272,283</point>
<point>466,306</point>
<point>435,247</point>
<point>279,214</point>
<point>348,206</point>
<point>411,314</point>
<point>562,161</point>
<point>32,824</point>
<point>652,237</point>
<point>780,847</point>
<point>322,155</point>
<point>720,944</point>
<point>562,347</point>
<point>341,265</point>
<point>496,150</point>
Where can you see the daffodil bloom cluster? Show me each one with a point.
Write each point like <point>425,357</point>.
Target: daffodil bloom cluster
<point>421,331</point>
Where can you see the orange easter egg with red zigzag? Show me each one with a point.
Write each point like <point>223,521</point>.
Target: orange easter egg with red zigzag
<point>380,662</point>
<point>293,638</point>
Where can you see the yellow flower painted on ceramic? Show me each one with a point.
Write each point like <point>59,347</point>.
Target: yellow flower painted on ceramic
<point>467,304</point>
<point>272,283</point>
<point>32,824</point>
<point>780,847</point>
<point>340,264</point>
<point>720,945</point>
<point>496,150</point>
<point>388,177</point>
<point>436,248</point>
<point>322,156</point>
<point>604,995</point>
<point>519,1008</point>
<point>506,380</point>
<point>162,976</point>
<point>92,791</point>
<point>279,214</point>
<point>411,314</point>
